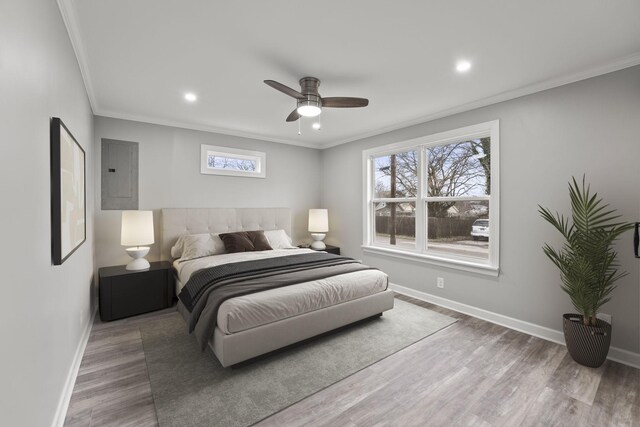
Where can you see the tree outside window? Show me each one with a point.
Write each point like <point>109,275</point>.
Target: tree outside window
<point>435,199</point>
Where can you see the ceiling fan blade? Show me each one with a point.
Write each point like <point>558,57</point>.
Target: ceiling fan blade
<point>293,116</point>
<point>285,89</point>
<point>344,102</point>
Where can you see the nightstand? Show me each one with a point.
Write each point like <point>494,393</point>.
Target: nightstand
<point>125,293</point>
<point>331,249</point>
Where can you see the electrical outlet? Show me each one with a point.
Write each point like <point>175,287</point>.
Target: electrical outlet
<point>440,282</point>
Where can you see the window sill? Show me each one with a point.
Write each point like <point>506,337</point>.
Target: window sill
<point>472,267</point>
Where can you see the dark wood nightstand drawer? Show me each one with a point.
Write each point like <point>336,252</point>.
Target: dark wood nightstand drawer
<point>127,293</point>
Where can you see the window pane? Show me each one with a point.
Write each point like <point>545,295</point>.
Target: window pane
<point>395,224</point>
<point>460,169</point>
<point>230,163</point>
<point>396,175</point>
<point>459,228</point>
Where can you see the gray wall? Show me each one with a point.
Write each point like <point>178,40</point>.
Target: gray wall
<point>45,309</point>
<point>170,178</point>
<point>591,127</point>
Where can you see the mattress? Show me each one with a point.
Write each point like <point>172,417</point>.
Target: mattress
<point>250,311</point>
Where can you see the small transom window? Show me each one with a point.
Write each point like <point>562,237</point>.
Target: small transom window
<point>232,161</point>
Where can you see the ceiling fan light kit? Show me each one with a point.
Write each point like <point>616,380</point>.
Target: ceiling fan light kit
<point>309,103</point>
<point>309,107</point>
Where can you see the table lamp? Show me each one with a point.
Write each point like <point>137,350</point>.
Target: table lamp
<point>137,230</point>
<point>318,227</point>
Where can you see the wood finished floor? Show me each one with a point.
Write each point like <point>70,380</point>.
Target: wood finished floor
<point>472,373</point>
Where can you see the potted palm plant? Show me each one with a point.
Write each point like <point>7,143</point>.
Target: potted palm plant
<point>588,270</point>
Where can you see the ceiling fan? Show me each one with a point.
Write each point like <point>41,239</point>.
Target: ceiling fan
<point>310,102</point>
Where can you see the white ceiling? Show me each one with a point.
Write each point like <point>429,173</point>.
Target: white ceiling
<point>139,57</point>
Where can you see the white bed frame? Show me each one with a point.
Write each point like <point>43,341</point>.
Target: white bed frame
<point>235,348</point>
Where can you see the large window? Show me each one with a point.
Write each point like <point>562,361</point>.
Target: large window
<point>436,198</point>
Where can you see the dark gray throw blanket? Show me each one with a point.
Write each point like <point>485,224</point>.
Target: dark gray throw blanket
<point>208,288</point>
<point>201,280</point>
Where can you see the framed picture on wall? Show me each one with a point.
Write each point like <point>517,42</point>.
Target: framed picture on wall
<point>68,193</point>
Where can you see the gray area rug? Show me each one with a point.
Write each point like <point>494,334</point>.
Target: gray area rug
<point>191,388</point>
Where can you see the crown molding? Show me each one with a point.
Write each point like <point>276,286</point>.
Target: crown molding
<point>70,22</point>
<point>621,63</point>
<point>203,128</point>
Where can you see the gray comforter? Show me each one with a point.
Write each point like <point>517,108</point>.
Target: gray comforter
<point>207,289</point>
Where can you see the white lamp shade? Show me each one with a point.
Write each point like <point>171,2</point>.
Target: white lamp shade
<point>318,220</point>
<point>137,228</point>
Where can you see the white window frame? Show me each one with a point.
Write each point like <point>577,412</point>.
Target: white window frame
<point>492,266</point>
<point>257,156</point>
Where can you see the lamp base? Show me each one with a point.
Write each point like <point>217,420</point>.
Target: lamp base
<point>138,262</point>
<point>318,243</point>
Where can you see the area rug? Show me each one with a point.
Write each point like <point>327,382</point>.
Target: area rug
<point>191,388</point>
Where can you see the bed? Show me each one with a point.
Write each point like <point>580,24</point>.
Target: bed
<point>248,326</point>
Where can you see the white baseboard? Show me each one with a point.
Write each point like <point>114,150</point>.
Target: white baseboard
<point>616,354</point>
<point>65,397</point>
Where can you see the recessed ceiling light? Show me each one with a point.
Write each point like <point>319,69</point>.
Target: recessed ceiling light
<point>316,126</point>
<point>191,97</point>
<point>463,66</point>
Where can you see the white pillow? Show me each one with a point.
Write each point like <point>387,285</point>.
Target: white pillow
<point>178,247</point>
<point>201,245</point>
<point>278,239</point>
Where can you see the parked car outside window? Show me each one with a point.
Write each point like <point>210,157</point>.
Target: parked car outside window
<point>480,228</point>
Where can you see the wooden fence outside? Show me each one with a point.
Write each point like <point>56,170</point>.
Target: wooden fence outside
<point>438,227</point>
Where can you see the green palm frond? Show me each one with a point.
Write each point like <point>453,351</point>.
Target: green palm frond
<point>587,263</point>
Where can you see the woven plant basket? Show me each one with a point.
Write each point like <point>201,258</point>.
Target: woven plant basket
<point>587,345</point>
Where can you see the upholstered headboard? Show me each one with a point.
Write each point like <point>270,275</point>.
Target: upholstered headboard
<point>176,222</point>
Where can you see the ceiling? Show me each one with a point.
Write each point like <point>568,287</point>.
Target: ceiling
<point>139,58</point>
